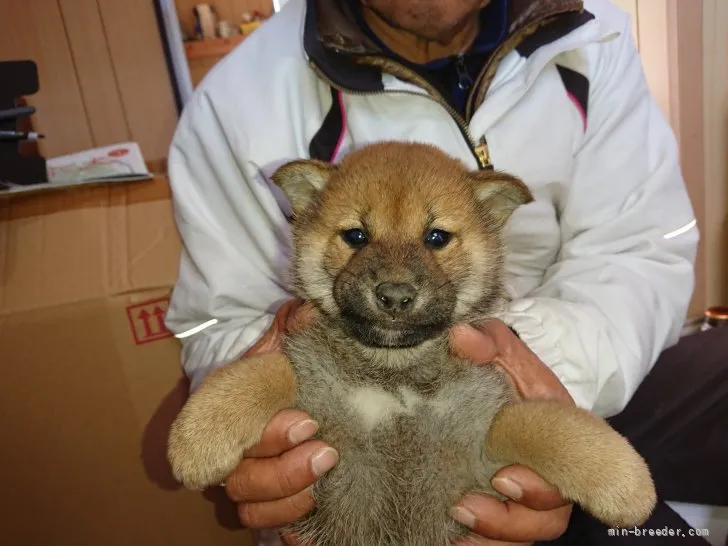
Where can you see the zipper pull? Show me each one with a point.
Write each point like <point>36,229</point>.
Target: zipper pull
<point>464,79</point>
<point>483,155</point>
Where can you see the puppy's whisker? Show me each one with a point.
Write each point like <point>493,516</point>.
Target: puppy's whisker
<point>443,285</point>
<point>345,270</point>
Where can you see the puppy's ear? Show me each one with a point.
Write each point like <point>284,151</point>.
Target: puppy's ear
<point>300,180</point>
<point>499,193</point>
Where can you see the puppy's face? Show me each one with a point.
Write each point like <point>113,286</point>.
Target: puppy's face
<point>399,241</point>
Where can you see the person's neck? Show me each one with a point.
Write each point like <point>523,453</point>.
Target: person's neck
<point>419,50</point>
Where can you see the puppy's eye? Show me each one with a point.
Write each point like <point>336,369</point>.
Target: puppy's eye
<point>437,238</point>
<point>355,238</point>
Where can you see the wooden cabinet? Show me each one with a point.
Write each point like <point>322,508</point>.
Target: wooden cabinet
<point>102,70</point>
<point>204,54</point>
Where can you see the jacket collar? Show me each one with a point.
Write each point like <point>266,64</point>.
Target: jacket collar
<point>348,59</point>
<point>337,29</point>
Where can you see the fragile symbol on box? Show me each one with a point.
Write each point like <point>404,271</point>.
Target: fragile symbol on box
<point>147,320</point>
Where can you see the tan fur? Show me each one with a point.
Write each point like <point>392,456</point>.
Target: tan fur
<point>226,416</point>
<point>368,188</point>
<point>590,463</point>
<point>416,427</point>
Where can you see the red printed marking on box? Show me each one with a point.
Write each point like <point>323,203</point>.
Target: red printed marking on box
<point>147,320</point>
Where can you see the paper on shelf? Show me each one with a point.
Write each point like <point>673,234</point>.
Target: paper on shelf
<point>121,162</point>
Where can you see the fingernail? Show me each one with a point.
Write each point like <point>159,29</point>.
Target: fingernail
<point>324,460</point>
<point>463,515</point>
<point>507,487</point>
<point>302,431</point>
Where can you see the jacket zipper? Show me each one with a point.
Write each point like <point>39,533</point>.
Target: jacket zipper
<point>479,149</point>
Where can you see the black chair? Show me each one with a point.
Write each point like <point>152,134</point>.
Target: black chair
<point>18,79</point>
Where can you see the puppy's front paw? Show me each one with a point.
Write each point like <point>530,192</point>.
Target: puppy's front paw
<point>580,454</point>
<point>225,417</point>
<point>620,492</point>
<point>205,447</point>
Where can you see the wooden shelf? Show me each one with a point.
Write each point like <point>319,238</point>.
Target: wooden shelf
<point>217,47</point>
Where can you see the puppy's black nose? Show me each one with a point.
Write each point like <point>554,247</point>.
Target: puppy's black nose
<point>395,297</point>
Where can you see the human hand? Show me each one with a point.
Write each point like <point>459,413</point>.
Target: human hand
<point>293,315</point>
<point>495,343</point>
<point>271,485</point>
<point>536,511</point>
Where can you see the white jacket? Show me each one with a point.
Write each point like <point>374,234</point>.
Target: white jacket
<point>600,265</point>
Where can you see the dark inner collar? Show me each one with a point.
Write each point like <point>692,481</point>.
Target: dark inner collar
<point>493,29</point>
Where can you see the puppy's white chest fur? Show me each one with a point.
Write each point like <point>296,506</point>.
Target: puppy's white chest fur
<point>374,405</point>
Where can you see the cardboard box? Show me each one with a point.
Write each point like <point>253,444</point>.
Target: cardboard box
<point>89,377</point>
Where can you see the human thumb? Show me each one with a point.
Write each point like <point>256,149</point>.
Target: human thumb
<point>270,341</point>
<point>472,344</point>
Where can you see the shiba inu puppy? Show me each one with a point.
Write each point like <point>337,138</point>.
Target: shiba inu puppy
<point>394,246</point>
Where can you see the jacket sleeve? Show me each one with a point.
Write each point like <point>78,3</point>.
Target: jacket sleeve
<point>232,271</point>
<point>619,290</point>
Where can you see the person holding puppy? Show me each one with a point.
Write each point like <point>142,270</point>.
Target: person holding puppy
<point>600,265</point>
